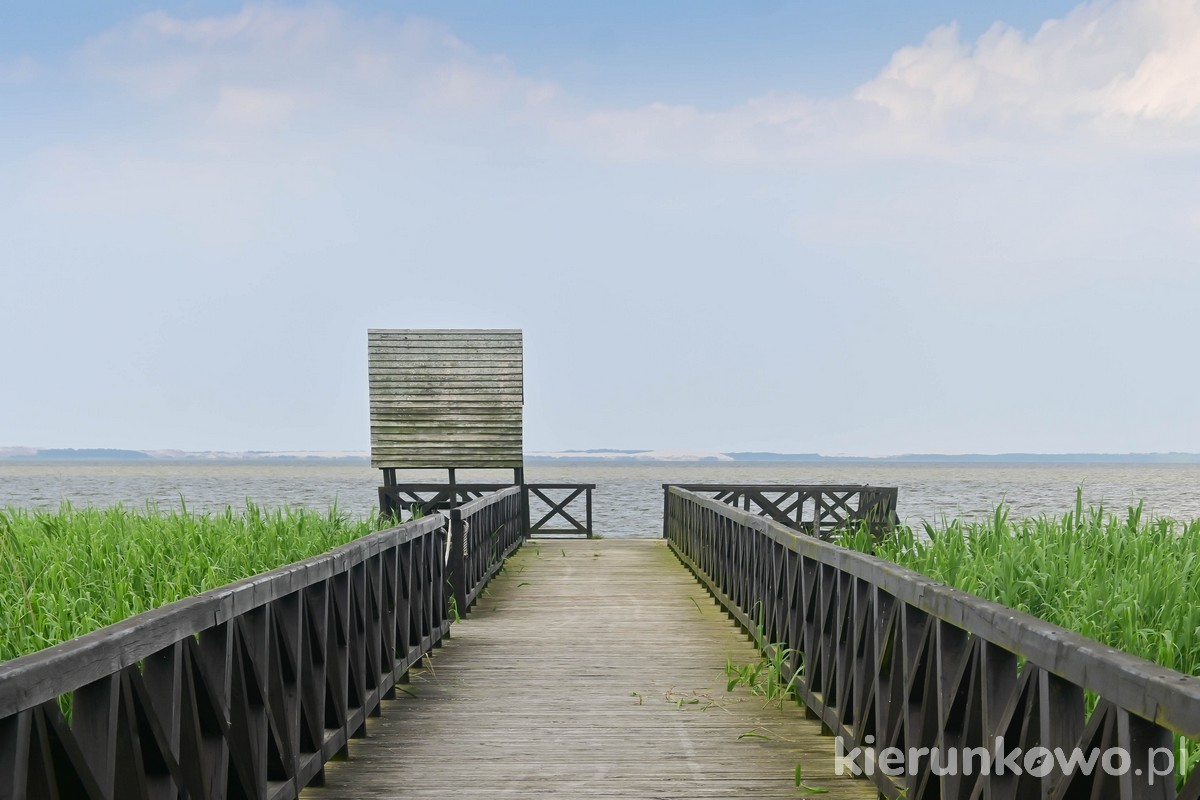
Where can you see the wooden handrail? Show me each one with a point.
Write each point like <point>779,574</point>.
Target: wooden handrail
<point>430,497</point>
<point>884,655</point>
<point>483,533</point>
<point>816,509</point>
<point>243,691</point>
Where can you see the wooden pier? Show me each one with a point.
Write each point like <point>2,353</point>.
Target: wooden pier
<point>577,667</point>
<point>588,669</point>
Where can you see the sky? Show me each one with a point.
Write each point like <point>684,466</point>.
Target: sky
<point>847,228</point>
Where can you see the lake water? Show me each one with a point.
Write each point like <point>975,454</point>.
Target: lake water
<point>628,501</point>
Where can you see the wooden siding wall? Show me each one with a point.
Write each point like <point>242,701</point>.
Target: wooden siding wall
<point>445,398</point>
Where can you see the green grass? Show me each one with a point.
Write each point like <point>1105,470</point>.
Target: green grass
<point>67,572</point>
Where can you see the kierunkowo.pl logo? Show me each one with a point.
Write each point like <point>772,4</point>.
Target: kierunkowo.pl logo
<point>1038,762</point>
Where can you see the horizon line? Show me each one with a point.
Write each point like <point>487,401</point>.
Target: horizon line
<point>25,453</point>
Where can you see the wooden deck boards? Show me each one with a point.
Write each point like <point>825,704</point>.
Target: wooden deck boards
<point>589,669</point>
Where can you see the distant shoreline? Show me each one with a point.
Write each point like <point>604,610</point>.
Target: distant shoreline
<point>114,455</point>
<point>915,458</point>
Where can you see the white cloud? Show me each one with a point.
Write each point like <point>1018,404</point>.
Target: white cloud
<point>1166,83</point>
<point>1109,76</point>
<point>236,109</point>
<point>1138,61</point>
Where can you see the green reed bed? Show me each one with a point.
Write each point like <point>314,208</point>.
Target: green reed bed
<point>66,572</point>
<point>1129,581</point>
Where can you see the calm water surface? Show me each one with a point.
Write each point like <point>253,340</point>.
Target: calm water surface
<point>628,500</point>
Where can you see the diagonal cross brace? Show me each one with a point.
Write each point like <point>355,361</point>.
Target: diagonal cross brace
<point>556,509</point>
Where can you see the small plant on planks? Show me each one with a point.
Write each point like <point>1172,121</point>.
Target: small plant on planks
<point>768,678</point>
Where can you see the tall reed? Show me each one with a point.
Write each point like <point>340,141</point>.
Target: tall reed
<point>66,572</point>
<point>1130,581</point>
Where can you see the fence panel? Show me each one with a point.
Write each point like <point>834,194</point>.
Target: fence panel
<point>888,658</point>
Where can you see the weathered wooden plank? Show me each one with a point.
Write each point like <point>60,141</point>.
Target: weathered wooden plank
<point>452,437</point>
<point>448,436</point>
<point>485,343</point>
<point>477,412</point>
<point>445,362</point>
<point>435,338</point>
<point>495,454</point>
<point>443,446</point>
<point>491,381</point>
<point>418,426</point>
<point>447,406</point>
<point>401,416</point>
<point>421,387</point>
<point>456,369</point>
<point>437,335</point>
<point>408,350</point>
<point>461,358</point>
<point>442,462</point>
<point>446,370</point>
<point>489,454</point>
<point>417,421</point>
<point>419,391</point>
<point>566,681</point>
<point>431,444</point>
<point>402,432</point>
<point>481,401</point>
<point>466,410</point>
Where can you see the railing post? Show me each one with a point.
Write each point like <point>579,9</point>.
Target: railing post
<point>456,567</point>
<point>95,722</point>
<point>387,503</point>
<point>15,735</point>
<point>387,494</point>
<point>666,508</point>
<point>588,493</point>
<point>519,478</point>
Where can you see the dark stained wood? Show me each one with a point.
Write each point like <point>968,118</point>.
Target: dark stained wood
<point>587,670</point>
<point>483,533</point>
<point>893,655</point>
<point>551,509</point>
<point>557,506</point>
<point>247,690</point>
<point>818,509</point>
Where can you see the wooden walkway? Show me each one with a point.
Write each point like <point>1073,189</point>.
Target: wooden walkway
<point>589,669</point>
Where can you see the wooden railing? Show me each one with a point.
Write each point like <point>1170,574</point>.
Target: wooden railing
<point>815,509</point>
<point>431,497</point>
<point>549,510</point>
<point>483,533</point>
<point>244,691</point>
<point>886,657</point>
<point>552,515</point>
